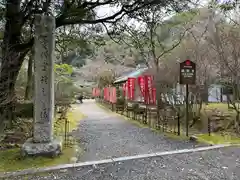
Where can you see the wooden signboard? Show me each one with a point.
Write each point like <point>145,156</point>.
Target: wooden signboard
<point>187,72</point>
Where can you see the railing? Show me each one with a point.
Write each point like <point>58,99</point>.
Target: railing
<point>166,120</point>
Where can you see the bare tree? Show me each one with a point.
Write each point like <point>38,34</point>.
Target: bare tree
<point>225,41</point>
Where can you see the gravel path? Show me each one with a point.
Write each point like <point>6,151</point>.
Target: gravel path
<point>105,135</point>
<point>221,164</point>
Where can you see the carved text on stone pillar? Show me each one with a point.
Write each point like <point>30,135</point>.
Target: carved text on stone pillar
<point>44,79</point>
<point>45,66</point>
<point>44,92</point>
<point>44,114</point>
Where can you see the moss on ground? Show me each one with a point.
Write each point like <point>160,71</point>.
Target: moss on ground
<point>218,139</point>
<point>10,160</point>
<point>73,117</point>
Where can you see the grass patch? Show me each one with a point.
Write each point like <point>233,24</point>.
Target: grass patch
<point>223,107</point>
<point>218,139</point>
<point>73,117</point>
<point>10,160</point>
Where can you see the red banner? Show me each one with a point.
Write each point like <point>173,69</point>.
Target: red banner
<point>95,92</point>
<point>108,93</point>
<point>141,83</point>
<point>113,95</point>
<point>148,80</point>
<point>154,95</point>
<point>98,93</point>
<point>105,93</point>
<point>150,87</point>
<point>131,88</point>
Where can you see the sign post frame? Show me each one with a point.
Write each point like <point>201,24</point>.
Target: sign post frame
<point>187,77</point>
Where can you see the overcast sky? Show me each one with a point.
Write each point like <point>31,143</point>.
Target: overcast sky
<point>106,10</point>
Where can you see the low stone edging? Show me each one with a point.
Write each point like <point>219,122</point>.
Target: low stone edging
<point>94,163</point>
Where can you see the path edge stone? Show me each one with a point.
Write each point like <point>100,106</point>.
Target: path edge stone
<point>93,163</point>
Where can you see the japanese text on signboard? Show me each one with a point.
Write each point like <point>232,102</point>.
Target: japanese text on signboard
<point>187,72</point>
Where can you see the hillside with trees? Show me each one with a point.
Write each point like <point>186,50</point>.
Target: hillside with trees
<point>122,53</point>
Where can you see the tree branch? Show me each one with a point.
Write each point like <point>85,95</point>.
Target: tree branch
<point>64,19</point>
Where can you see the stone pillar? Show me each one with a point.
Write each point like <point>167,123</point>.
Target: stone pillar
<point>43,142</point>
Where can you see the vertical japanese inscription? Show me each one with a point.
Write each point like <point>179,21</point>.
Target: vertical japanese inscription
<point>44,92</point>
<point>43,70</point>
<point>43,113</point>
<point>45,53</point>
<point>44,78</point>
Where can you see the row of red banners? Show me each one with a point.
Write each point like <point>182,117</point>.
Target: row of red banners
<point>96,92</point>
<point>148,92</point>
<point>109,94</point>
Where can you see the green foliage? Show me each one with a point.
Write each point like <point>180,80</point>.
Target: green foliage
<point>159,35</point>
<point>64,85</point>
<point>226,5</point>
<point>71,41</point>
<point>183,17</point>
<point>63,69</point>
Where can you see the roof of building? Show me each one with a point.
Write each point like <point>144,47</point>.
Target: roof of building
<point>134,74</point>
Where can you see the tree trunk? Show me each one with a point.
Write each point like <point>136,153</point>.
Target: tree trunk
<point>221,94</point>
<point>28,90</point>
<point>9,71</point>
<point>205,93</point>
<point>158,97</point>
<point>12,58</point>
